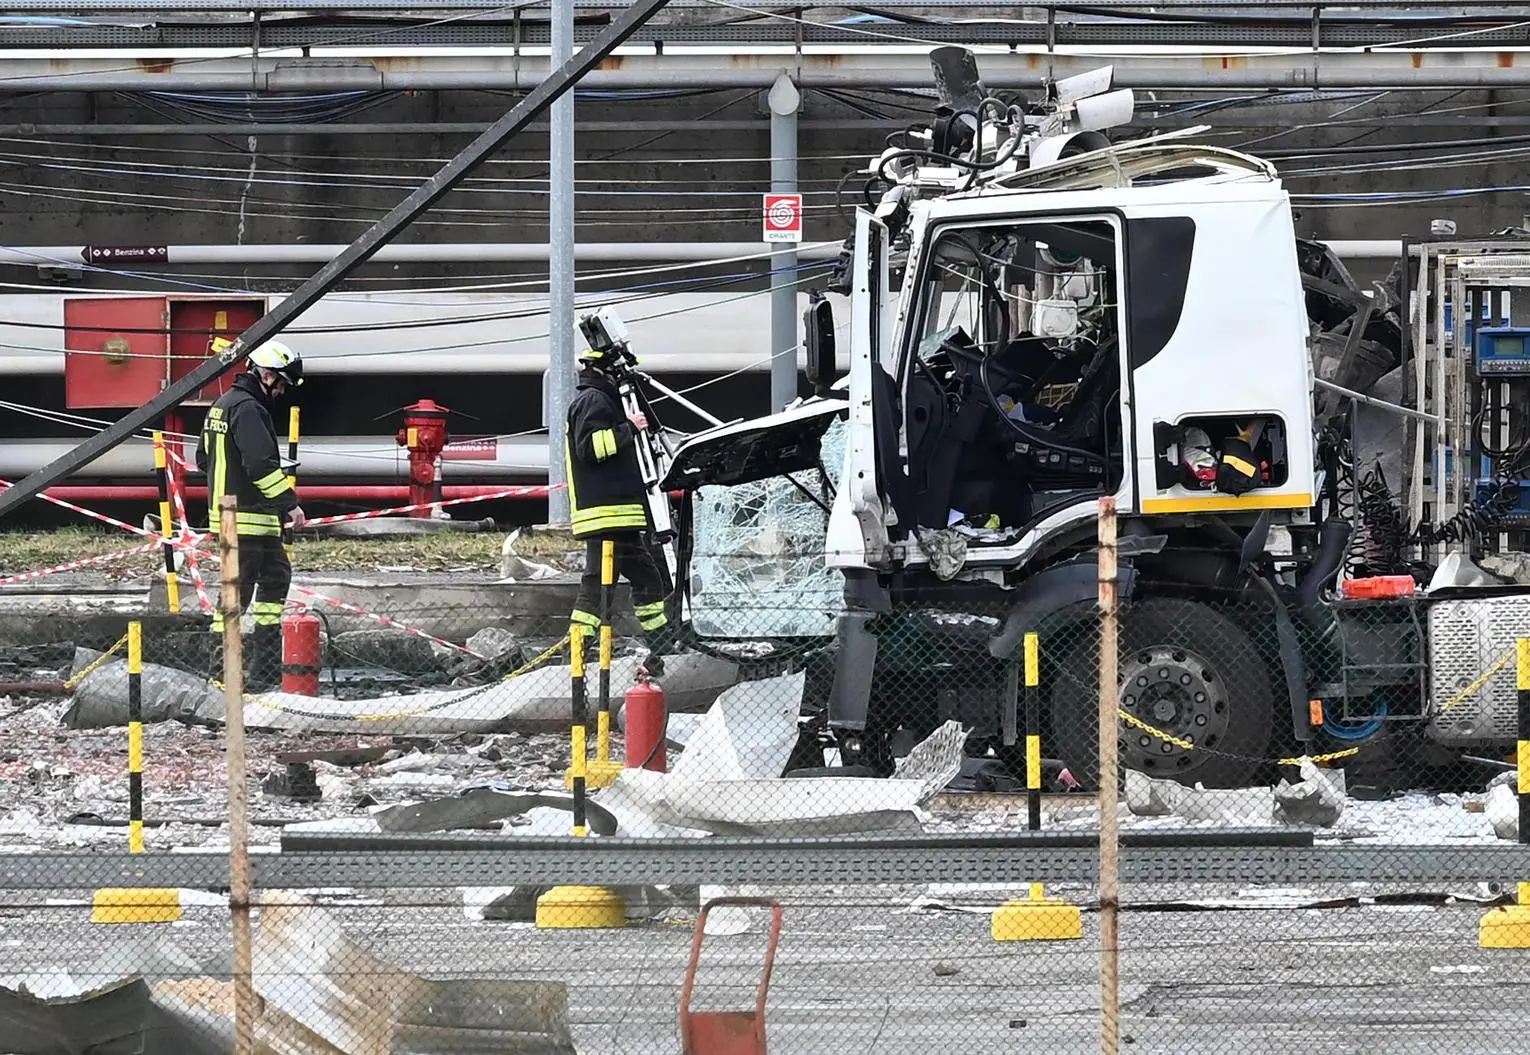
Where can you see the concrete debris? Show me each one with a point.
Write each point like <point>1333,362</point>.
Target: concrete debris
<point>101,697</point>
<point>387,648</point>
<point>1238,807</point>
<point>1317,798</point>
<point>536,700</point>
<point>400,527</point>
<point>323,993</point>
<point>486,805</point>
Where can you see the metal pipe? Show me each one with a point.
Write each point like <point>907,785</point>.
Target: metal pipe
<point>517,253</point>
<point>418,253</point>
<point>110,132</point>
<point>397,494</point>
<point>869,68</point>
<point>784,103</point>
<point>559,389</point>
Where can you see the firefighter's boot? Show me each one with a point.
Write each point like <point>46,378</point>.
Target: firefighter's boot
<point>263,667</point>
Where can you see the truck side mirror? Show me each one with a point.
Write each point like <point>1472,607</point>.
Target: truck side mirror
<point>818,338</point>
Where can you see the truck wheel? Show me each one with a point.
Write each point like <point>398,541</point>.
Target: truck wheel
<point>1186,670</point>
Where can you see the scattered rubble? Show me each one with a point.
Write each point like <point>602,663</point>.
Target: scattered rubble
<point>1318,798</point>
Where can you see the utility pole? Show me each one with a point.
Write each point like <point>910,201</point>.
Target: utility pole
<point>560,273</point>
<point>784,100</point>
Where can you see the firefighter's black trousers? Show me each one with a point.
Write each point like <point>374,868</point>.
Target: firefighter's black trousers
<point>643,566</point>
<point>263,567</point>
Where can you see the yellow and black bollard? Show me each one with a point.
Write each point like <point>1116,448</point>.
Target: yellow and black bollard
<point>604,771</point>
<point>579,907</point>
<point>135,738</point>
<point>1033,732</point>
<point>162,470</point>
<point>1035,917</point>
<point>1508,926</point>
<point>135,904</point>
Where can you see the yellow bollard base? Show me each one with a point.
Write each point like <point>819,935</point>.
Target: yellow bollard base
<point>597,774</point>
<point>1037,918</point>
<point>580,908</point>
<point>136,905</point>
<point>1505,927</point>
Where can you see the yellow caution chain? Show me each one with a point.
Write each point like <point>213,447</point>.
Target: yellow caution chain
<point>1476,686</point>
<point>1186,745</point>
<point>96,663</point>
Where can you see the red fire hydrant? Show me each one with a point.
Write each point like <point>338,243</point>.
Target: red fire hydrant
<point>646,718</point>
<point>424,434</point>
<point>301,658</point>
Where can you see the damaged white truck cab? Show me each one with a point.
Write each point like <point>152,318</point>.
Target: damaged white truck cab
<point>1038,319</point>
<point>1053,339</point>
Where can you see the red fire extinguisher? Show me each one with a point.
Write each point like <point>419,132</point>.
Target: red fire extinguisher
<point>646,719</point>
<point>300,654</point>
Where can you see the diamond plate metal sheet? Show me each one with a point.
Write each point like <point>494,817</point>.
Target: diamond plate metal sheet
<point>1466,639</point>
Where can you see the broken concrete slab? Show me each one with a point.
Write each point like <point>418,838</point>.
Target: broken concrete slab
<point>537,700</point>
<point>306,970</point>
<point>384,647</point>
<point>485,805</point>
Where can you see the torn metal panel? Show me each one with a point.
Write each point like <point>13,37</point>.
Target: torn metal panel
<point>308,973</point>
<point>787,806</point>
<point>101,698</point>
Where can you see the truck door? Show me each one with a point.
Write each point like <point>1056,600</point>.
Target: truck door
<point>867,502</point>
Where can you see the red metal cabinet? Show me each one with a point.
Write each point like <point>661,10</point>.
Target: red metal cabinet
<point>105,366</point>
<point>118,353</point>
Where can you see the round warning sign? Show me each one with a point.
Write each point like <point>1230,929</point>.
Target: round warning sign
<point>783,217</point>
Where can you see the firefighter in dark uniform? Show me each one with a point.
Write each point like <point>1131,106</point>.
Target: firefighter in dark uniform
<point>241,456</point>
<point>608,500</point>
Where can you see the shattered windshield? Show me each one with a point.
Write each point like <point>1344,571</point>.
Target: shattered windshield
<point>757,569</point>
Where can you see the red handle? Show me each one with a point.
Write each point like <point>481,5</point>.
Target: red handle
<point>770,950</point>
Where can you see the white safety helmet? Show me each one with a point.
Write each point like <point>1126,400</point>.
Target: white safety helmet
<point>281,360</point>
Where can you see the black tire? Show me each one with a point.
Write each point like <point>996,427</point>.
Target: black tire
<point>1197,676</point>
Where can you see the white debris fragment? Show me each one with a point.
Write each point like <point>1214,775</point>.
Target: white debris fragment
<point>1147,797</point>
<point>416,782</point>
<point>747,735</point>
<point>515,568</point>
<point>1239,807</point>
<point>1317,798</point>
<point>1502,812</point>
<point>413,762</point>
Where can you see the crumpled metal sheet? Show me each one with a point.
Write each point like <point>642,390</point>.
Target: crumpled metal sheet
<point>120,1018</point>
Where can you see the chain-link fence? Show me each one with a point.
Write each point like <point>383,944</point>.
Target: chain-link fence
<point>400,838</point>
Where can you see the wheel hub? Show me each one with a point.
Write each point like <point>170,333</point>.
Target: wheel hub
<point>1178,694</point>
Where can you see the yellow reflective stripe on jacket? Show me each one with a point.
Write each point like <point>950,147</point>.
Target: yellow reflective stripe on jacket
<point>258,524</point>
<point>273,484</point>
<point>609,518</point>
<point>604,443</point>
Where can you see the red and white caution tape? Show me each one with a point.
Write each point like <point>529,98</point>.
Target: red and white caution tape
<point>86,562</point>
<point>528,491</point>
<point>103,518</point>
<point>384,620</point>
<point>187,535</point>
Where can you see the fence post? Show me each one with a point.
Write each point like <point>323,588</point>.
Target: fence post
<point>238,805</point>
<point>1035,917</point>
<point>579,907</point>
<point>1508,927</point>
<point>1110,1010</point>
<point>162,470</point>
